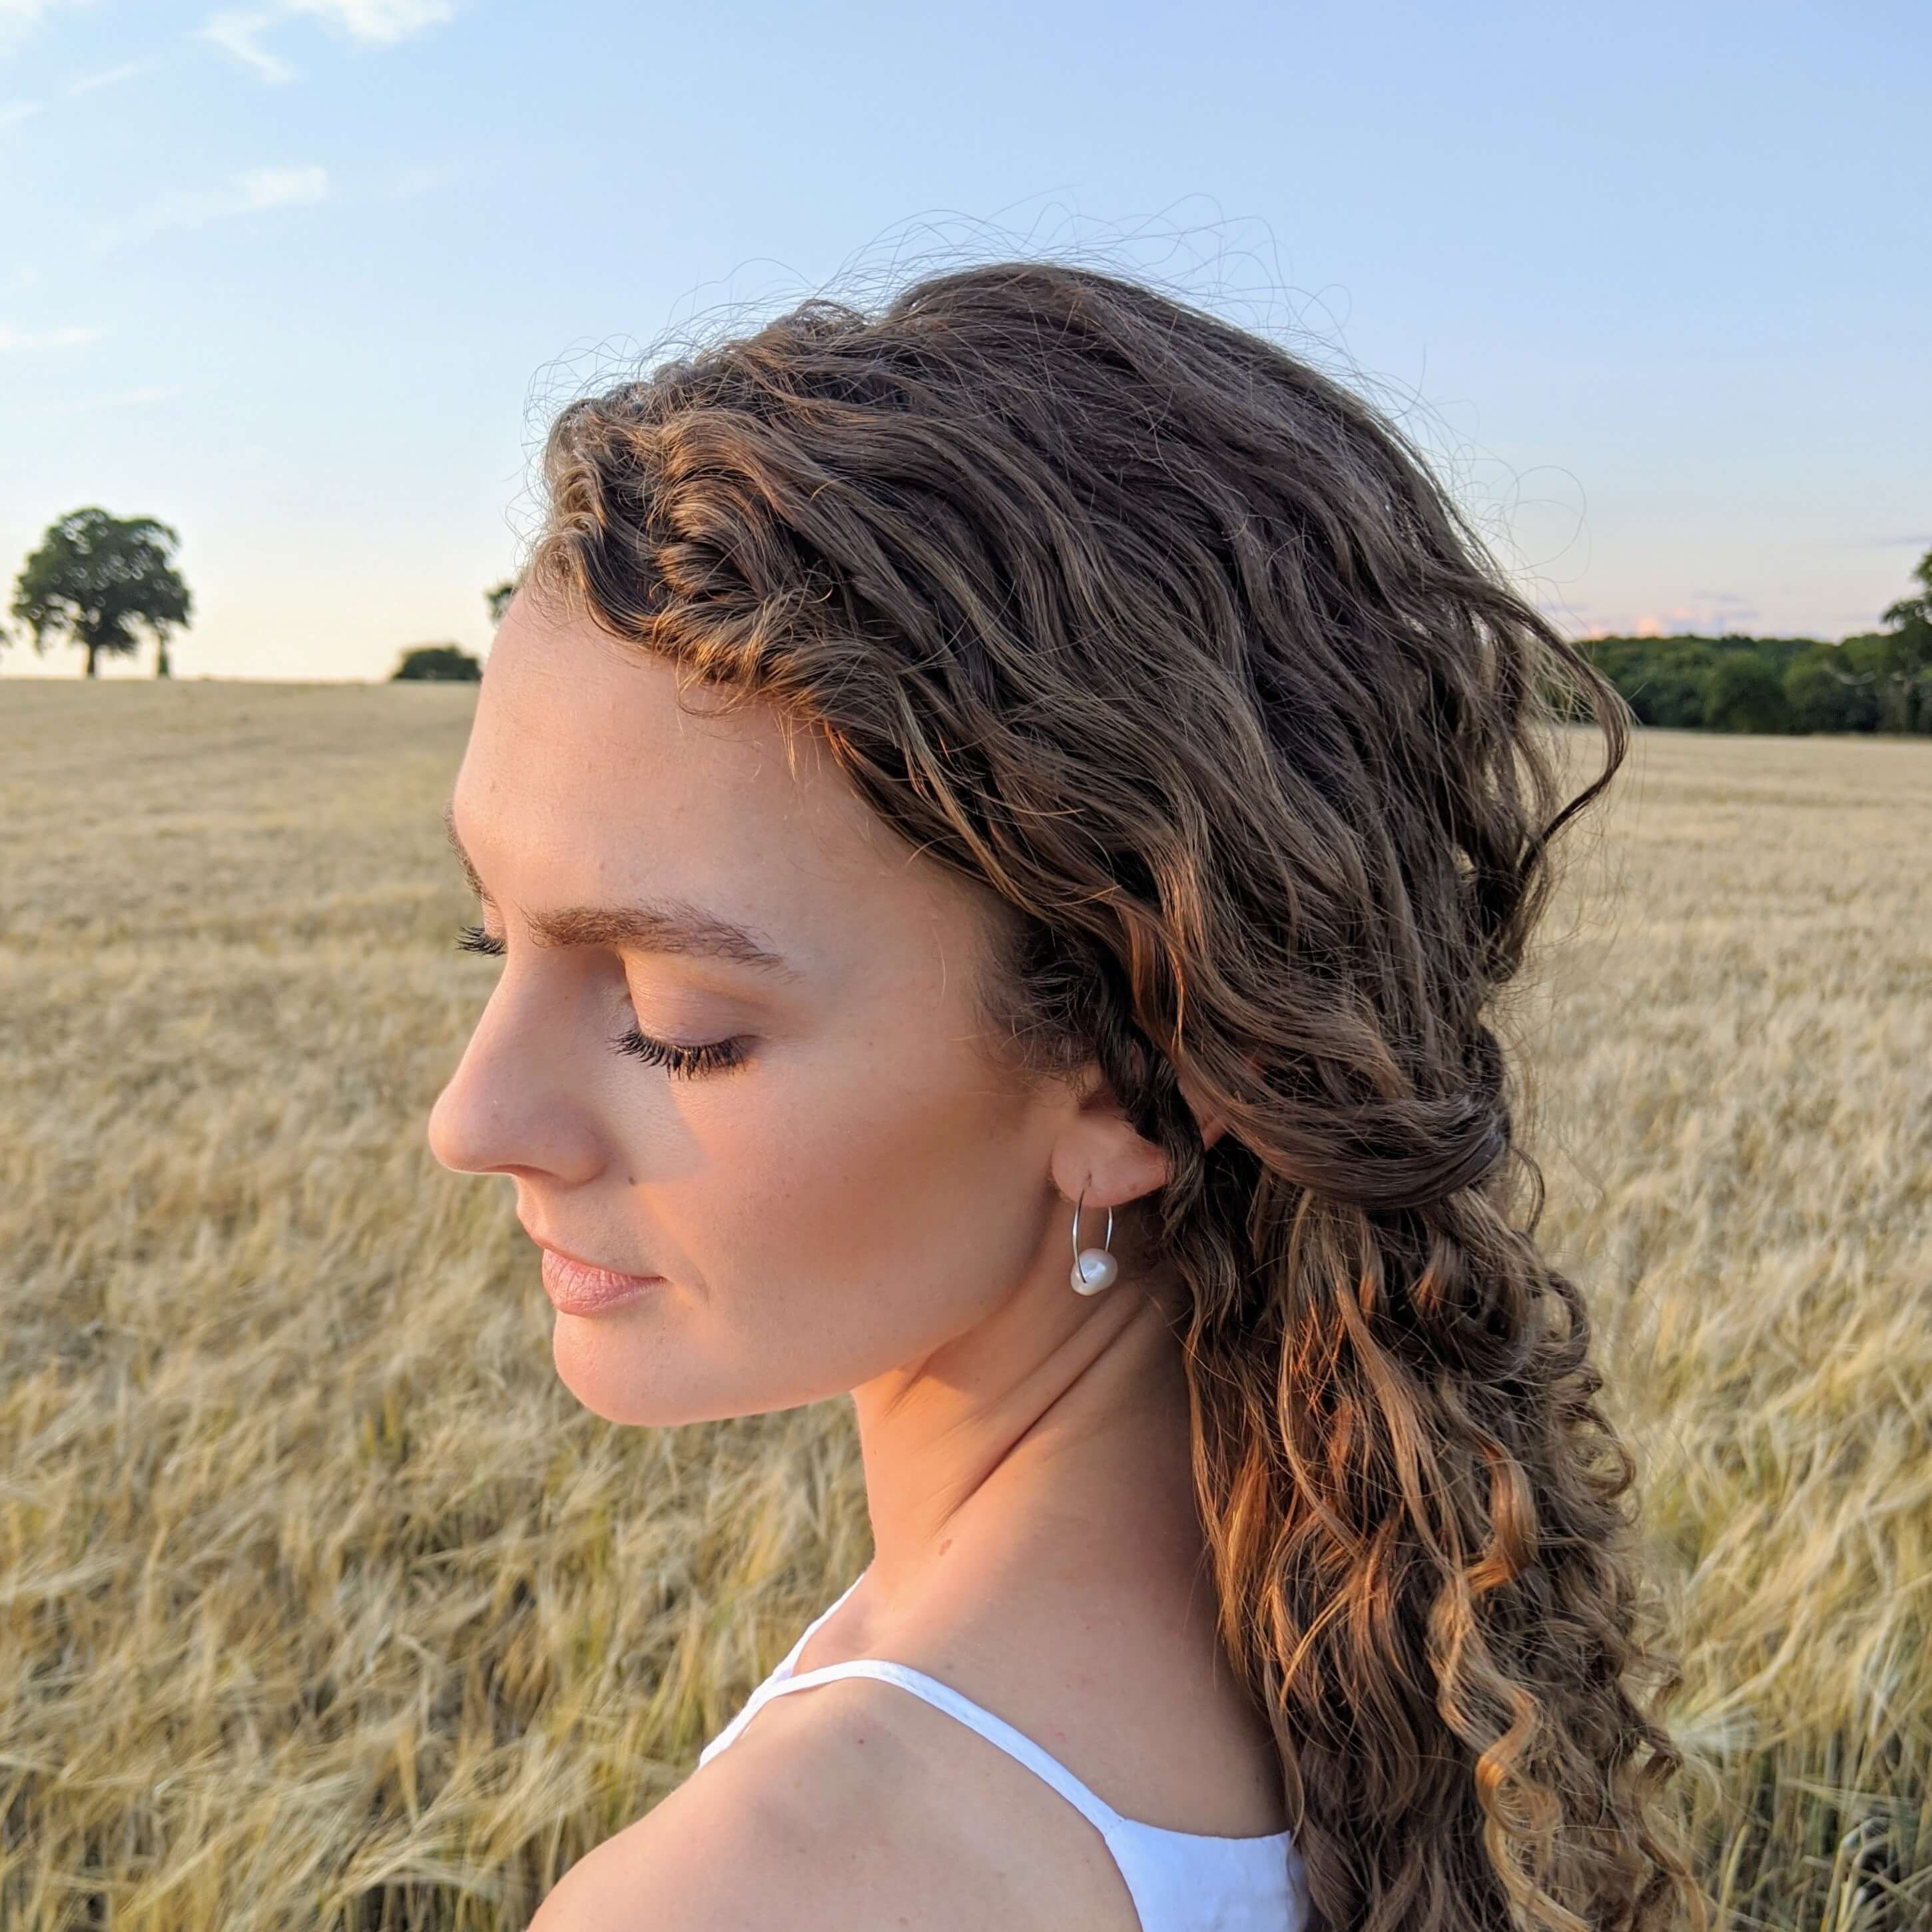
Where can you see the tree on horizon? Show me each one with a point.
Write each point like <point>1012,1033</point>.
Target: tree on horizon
<point>95,578</point>
<point>1907,669</point>
<point>442,663</point>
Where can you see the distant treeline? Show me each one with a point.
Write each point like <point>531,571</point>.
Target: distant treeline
<point>1877,681</point>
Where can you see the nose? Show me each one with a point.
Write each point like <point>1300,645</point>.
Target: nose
<point>509,1107</point>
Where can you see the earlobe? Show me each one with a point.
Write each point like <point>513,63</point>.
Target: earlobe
<point>1122,1168</point>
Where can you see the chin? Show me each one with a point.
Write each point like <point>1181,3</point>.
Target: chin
<point>613,1375</point>
<point>622,1377</point>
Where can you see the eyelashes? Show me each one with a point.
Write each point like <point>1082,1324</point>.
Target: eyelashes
<point>682,1062</point>
<point>712,1058</point>
<point>474,939</point>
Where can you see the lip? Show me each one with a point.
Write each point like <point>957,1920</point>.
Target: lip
<point>578,1287</point>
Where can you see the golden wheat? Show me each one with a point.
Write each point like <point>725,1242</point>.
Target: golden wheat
<point>326,1605</point>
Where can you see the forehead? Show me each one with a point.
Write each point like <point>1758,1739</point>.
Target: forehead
<point>585,780</point>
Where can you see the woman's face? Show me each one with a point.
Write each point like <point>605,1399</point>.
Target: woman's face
<point>859,1188</point>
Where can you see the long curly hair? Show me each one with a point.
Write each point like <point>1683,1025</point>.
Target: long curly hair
<point>1173,643</point>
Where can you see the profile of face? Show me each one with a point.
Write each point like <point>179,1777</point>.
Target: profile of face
<point>818,1157</point>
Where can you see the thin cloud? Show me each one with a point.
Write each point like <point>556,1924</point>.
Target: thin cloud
<point>373,22</point>
<point>113,76</point>
<point>1724,606</point>
<point>1709,611</point>
<point>18,18</point>
<point>11,111</point>
<point>47,338</point>
<point>237,33</point>
<point>251,193</point>
<point>383,22</point>
<point>125,399</point>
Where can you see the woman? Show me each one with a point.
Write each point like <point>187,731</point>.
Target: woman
<point>1039,788</point>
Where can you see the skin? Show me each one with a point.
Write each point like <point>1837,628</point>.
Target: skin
<point>863,1205</point>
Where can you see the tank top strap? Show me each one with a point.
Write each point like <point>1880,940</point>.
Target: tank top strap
<point>780,1674</point>
<point>975,1716</point>
<point>805,1636</point>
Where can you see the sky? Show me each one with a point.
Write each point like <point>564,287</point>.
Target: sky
<point>305,280</point>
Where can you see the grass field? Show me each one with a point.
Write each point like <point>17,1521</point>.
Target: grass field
<point>322,1604</point>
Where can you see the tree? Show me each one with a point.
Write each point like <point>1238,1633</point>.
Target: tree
<point>1743,693</point>
<point>498,598</point>
<point>1889,672</point>
<point>1825,692</point>
<point>95,578</point>
<point>1661,679</point>
<point>1905,675</point>
<point>448,663</point>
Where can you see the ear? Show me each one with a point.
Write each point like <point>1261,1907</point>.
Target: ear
<point>1213,1123</point>
<point>1100,1151</point>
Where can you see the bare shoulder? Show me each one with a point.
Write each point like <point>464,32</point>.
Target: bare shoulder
<point>846,1809</point>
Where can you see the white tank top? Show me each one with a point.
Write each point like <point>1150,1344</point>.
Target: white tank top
<point>1180,1881</point>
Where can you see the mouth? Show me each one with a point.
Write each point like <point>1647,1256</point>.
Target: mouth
<point>578,1287</point>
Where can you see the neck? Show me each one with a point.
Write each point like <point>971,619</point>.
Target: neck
<point>1063,1443</point>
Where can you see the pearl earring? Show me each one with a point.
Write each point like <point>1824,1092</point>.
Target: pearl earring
<point>1093,1268</point>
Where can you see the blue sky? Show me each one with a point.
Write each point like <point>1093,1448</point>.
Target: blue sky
<point>304,278</point>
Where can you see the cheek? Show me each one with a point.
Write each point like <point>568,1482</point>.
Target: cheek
<point>847,1210</point>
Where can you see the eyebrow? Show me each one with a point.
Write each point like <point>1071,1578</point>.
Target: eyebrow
<point>650,925</point>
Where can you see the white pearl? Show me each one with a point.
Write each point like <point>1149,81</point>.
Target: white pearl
<point>1095,1270</point>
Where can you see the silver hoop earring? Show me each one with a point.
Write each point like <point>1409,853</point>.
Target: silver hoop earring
<point>1093,1268</point>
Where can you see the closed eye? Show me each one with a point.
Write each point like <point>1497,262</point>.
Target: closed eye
<point>714,1057</point>
<point>681,1061</point>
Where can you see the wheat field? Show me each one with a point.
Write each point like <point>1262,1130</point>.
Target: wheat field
<point>322,1604</point>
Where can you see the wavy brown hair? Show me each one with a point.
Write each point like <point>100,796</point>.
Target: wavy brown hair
<point>1174,644</point>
